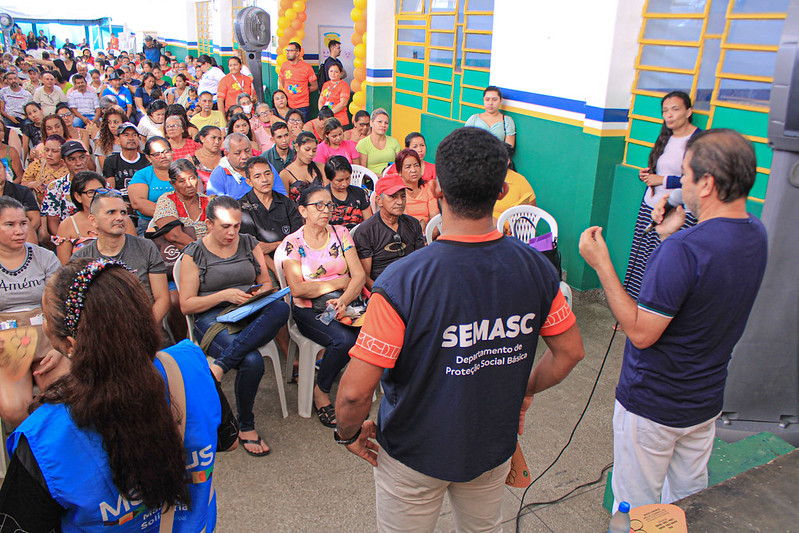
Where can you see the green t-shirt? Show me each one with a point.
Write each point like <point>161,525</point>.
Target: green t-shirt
<point>378,160</point>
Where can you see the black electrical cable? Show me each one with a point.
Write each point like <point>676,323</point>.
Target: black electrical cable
<point>522,506</point>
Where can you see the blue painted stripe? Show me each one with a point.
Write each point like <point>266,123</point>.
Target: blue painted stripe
<point>566,104</point>
<point>380,72</point>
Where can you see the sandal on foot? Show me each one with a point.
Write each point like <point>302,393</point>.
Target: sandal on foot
<point>327,415</point>
<point>260,442</point>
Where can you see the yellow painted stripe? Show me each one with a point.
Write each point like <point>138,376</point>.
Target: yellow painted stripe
<point>604,133</point>
<point>755,16</point>
<point>544,116</point>
<point>744,107</point>
<point>645,118</point>
<point>380,84</point>
<point>665,69</point>
<point>744,77</point>
<point>674,15</point>
<point>764,170</point>
<point>641,143</point>
<point>750,47</point>
<point>758,200</point>
<point>660,42</point>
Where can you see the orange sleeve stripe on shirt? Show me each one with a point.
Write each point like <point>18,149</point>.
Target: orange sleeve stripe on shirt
<point>382,334</point>
<point>560,317</point>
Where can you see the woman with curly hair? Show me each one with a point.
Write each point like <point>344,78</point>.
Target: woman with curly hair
<point>107,141</point>
<point>127,424</point>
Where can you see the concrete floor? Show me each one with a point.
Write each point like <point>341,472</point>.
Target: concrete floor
<point>310,483</point>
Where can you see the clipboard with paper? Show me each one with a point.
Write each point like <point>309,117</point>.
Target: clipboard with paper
<point>256,303</point>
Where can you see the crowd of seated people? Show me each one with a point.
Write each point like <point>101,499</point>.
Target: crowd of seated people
<point>230,194</point>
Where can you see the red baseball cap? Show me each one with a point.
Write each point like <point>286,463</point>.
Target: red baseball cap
<point>389,184</point>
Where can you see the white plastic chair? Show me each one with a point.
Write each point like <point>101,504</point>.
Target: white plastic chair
<point>358,172</point>
<point>267,350</point>
<point>306,351</point>
<point>433,224</point>
<point>522,220</point>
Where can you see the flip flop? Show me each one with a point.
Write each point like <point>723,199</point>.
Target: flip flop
<point>259,442</point>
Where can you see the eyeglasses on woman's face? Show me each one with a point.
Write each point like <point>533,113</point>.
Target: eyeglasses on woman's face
<point>322,206</point>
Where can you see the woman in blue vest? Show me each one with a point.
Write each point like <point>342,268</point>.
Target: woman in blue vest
<point>103,447</point>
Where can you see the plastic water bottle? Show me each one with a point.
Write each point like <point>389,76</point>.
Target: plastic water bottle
<point>620,522</point>
<point>329,314</point>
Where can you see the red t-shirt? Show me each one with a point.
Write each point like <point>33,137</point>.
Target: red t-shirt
<point>331,95</point>
<point>230,87</point>
<point>295,79</point>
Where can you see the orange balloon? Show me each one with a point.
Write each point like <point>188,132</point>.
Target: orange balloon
<point>360,74</point>
<point>356,14</point>
<point>360,26</point>
<point>355,39</point>
<point>355,86</point>
<point>283,42</point>
<point>303,16</point>
<point>300,35</point>
<point>298,6</point>
<point>286,4</point>
<point>296,24</point>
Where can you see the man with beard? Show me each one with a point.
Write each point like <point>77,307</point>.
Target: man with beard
<point>12,100</point>
<point>119,168</point>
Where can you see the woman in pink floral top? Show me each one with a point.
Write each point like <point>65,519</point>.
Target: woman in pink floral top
<point>319,259</point>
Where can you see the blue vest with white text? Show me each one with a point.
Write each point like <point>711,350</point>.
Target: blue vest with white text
<point>473,312</point>
<point>76,470</point>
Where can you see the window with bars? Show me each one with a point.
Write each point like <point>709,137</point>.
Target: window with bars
<point>203,10</point>
<point>720,52</point>
<point>443,55</point>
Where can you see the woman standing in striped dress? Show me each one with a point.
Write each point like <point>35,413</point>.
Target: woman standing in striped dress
<point>662,174</point>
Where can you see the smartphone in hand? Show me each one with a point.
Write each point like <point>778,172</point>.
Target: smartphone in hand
<point>254,288</point>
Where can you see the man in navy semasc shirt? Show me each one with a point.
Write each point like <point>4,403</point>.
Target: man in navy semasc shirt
<point>452,330</point>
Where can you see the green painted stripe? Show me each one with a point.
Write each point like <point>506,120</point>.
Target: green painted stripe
<point>756,208</point>
<point>700,121</point>
<point>759,188</point>
<point>747,122</point>
<point>763,154</point>
<point>478,78</point>
<point>440,73</point>
<point>442,90</point>
<point>410,84</point>
<point>410,68</point>
<point>647,106</point>
<point>644,131</point>
<point>437,107</point>
<point>410,100</point>
<point>467,111</point>
<point>473,96</point>
<point>637,155</point>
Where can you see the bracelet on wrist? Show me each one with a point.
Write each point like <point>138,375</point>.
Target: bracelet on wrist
<point>346,442</point>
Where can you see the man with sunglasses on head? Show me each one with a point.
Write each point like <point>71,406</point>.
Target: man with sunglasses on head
<point>390,235</point>
<point>109,214</point>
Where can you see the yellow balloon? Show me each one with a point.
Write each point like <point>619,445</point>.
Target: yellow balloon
<point>283,23</point>
<point>359,99</point>
<point>280,60</point>
<point>300,35</point>
<point>298,6</point>
<point>356,14</point>
<point>363,39</point>
<point>358,63</point>
<point>360,4</point>
<point>290,14</point>
<point>354,108</point>
<point>280,31</point>
<point>360,51</point>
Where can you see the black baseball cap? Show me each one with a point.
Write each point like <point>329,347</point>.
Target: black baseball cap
<point>70,147</point>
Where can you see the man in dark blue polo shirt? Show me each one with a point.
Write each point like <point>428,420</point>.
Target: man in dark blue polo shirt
<point>696,294</point>
<point>457,329</point>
